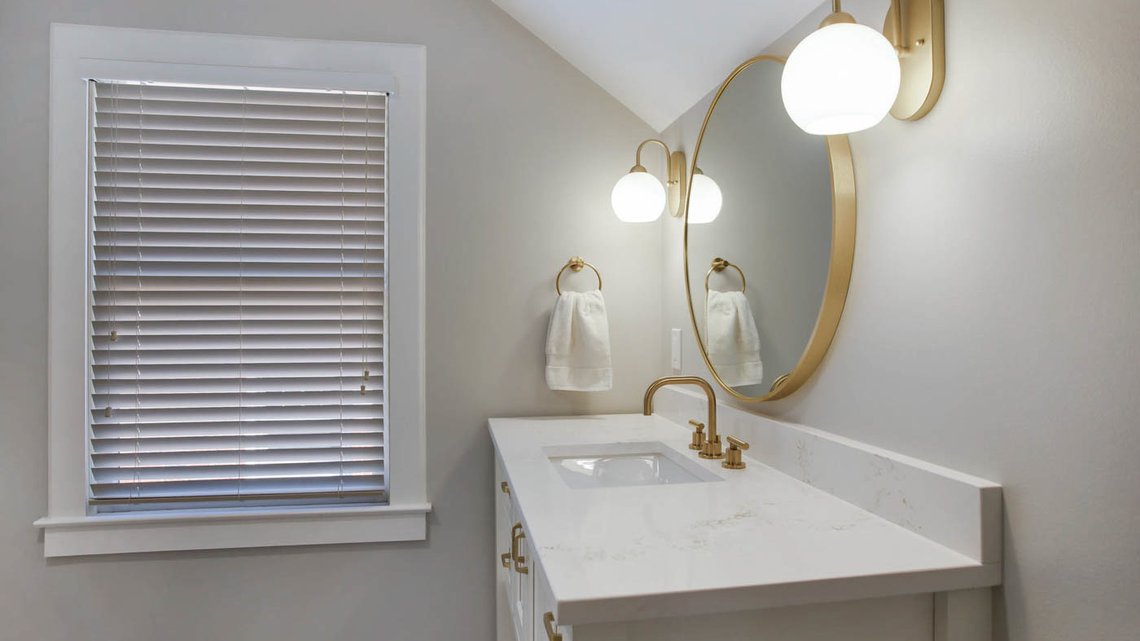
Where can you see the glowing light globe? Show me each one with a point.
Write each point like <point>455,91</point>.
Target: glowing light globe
<point>840,79</point>
<point>638,197</point>
<point>705,200</point>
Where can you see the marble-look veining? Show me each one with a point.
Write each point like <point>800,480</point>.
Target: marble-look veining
<point>755,538</point>
<point>960,511</point>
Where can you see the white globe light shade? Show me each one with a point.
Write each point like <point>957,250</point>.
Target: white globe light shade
<point>840,79</point>
<point>638,198</point>
<point>705,200</point>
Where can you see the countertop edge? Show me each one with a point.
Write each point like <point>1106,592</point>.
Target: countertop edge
<point>777,595</point>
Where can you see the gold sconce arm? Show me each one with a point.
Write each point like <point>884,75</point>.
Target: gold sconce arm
<point>675,186</point>
<point>917,30</point>
<point>894,14</point>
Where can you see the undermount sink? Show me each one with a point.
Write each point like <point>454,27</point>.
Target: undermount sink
<point>624,465</point>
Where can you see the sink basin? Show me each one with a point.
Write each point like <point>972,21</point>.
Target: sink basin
<point>624,465</point>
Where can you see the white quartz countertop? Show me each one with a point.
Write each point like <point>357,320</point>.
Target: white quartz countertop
<point>757,538</point>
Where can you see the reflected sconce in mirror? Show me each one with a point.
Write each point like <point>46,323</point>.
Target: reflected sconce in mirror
<point>846,77</point>
<point>706,197</point>
<point>638,197</point>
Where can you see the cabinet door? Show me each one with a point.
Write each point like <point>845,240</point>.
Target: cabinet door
<point>504,597</point>
<point>544,610</point>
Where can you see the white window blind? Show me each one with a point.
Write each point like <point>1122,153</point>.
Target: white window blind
<point>237,293</point>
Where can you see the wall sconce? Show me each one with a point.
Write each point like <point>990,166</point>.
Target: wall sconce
<point>638,197</point>
<point>846,77</point>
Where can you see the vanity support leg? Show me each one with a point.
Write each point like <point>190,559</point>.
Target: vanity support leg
<point>963,615</point>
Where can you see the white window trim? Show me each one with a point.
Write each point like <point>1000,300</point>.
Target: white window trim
<point>82,52</point>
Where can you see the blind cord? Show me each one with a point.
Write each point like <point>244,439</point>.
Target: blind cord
<point>138,303</point>
<point>107,412</point>
<point>241,297</point>
<point>364,252</point>
<point>340,333</point>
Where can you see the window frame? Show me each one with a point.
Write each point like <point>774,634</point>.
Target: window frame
<point>80,53</point>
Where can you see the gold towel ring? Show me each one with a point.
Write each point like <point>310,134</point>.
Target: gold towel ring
<point>575,264</point>
<point>718,265</point>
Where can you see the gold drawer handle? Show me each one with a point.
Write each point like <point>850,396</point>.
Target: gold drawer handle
<point>505,559</point>
<point>504,488</point>
<point>548,623</point>
<point>517,535</point>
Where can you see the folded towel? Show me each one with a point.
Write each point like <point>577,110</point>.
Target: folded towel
<point>732,340</point>
<point>578,344</point>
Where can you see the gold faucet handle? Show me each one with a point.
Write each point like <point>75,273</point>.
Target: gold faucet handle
<point>698,435</point>
<point>733,459</point>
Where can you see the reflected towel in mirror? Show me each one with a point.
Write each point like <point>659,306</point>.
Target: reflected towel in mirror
<point>578,344</point>
<point>732,340</point>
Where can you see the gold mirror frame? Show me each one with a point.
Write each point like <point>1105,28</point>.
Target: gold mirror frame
<point>838,271</point>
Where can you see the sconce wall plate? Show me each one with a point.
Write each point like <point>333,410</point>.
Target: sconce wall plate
<point>676,188</point>
<point>917,27</point>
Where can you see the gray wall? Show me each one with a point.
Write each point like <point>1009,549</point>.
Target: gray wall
<point>522,153</point>
<point>992,319</point>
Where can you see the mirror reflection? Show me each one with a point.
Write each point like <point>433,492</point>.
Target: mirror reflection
<point>758,270</point>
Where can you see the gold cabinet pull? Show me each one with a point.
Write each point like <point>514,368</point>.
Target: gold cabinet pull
<point>548,623</point>
<point>504,488</point>
<point>517,535</point>
<point>505,559</point>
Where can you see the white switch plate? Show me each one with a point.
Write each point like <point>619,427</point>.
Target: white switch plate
<point>676,350</point>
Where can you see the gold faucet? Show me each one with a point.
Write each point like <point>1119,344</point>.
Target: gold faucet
<point>711,447</point>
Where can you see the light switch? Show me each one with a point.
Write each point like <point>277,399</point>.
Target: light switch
<point>676,350</point>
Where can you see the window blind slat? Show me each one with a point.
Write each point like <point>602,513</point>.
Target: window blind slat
<point>248,153</point>
<point>140,416</point>
<point>122,194</point>
<point>251,372</point>
<point>197,137</point>
<point>286,123</point>
<point>148,178</point>
<point>230,95</point>
<point>120,314</point>
<point>112,471</point>
<point>283,432</point>
<point>238,167</point>
<point>113,243</point>
<point>247,327</point>
<point>225,103</point>
<point>228,488</point>
<point>107,444</point>
<point>292,250</point>
<point>237,305</point>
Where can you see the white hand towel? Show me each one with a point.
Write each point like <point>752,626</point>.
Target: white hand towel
<point>578,344</point>
<point>732,340</point>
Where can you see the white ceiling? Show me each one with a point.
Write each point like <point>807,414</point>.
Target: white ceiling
<point>658,57</point>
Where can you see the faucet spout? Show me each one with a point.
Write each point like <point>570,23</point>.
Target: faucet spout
<point>712,447</point>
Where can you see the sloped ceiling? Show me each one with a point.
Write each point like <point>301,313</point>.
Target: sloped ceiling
<point>658,57</point>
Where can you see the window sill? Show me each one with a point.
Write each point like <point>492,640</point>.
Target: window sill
<point>231,529</point>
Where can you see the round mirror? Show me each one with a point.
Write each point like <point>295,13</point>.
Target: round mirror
<point>767,276</point>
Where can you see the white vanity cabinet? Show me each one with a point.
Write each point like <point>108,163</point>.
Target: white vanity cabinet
<point>737,555</point>
<point>523,598</point>
<point>515,571</point>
